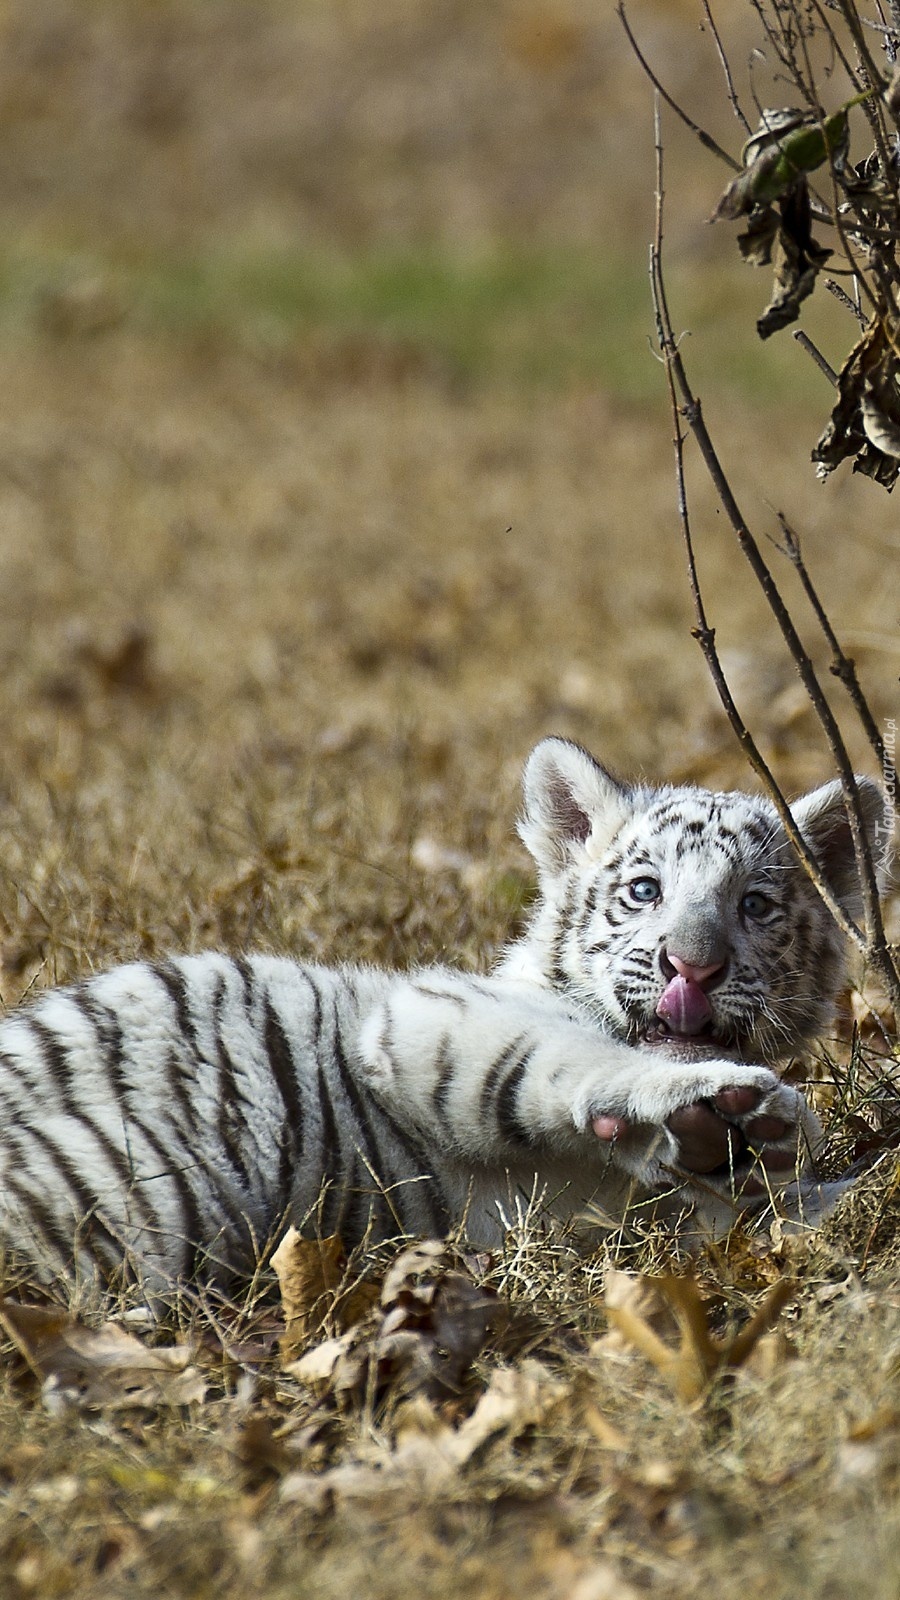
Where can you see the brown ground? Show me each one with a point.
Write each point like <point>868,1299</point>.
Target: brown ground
<point>278,624</point>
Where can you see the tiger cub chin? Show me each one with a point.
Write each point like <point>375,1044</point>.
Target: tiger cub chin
<point>163,1120</point>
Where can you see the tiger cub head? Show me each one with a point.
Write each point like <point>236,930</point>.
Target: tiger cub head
<point>682,918</point>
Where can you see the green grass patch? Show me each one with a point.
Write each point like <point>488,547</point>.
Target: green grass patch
<point>532,319</point>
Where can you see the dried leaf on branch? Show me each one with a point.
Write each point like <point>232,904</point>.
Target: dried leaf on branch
<point>773,192</point>
<point>797,261</point>
<point>865,423</point>
<point>787,145</point>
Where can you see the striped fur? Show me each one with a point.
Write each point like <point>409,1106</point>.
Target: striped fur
<point>175,1114</point>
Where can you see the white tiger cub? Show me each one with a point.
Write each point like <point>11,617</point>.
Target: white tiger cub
<point>163,1119</point>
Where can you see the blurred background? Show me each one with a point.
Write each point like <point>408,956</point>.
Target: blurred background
<point>336,468</point>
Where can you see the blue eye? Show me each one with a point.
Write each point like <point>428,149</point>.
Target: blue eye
<point>755,904</point>
<point>644,891</point>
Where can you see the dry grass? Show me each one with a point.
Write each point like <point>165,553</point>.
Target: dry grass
<point>278,623</point>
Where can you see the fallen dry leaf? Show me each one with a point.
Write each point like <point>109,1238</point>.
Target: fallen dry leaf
<point>631,1292</point>
<point>316,1367</point>
<point>99,1367</point>
<point>309,1272</point>
<point>603,1582</point>
<point>431,1321</point>
<point>871,1449</point>
<point>316,1286</point>
<point>259,1448</point>
<point>122,663</point>
<point>517,1398</point>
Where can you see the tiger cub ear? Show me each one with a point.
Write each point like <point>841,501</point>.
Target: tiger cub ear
<point>572,806</point>
<point>822,820</point>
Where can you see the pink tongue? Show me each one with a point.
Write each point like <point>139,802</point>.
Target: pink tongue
<point>684,1006</point>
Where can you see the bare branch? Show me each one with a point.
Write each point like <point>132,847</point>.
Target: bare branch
<point>703,633</point>
<point>685,404</point>
<point>869,75</point>
<point>706,139</point>
<point>842,666</point>
<point>850,15</point>
<point>725,65</point>
<point>805,343</point>
<point>844,299</point>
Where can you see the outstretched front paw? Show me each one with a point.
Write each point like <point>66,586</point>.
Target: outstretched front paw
<point>729,1136</point>
<point>736,1127</point>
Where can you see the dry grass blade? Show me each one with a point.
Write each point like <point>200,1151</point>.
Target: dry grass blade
<point>738,1348</point>
<point>700,1356</point>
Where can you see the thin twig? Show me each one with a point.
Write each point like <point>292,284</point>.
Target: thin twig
<point>875,941</point>
<point>850,15</point>
<point>866,22</point>
<point>725,65</point>
<point>844,299</point>
<point>871,78</point>
<point>685,404</point>
<point>842,666</point>
<point>861,82</point>
<point>777,43</point>
<point>706,139</point>
<point>805,343</point>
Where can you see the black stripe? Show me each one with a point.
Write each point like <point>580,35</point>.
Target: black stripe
<point>22,1073</point>
<point>53,1049</point>
<point>416,1157</point>
<point>386,1042</point>
<point>437,994</point>
<point>317,1001</point>
<point>484,986</point>
<point>174,1069</point>
<point>284,1072</point>
<point>332,1161</point>
<point>87,1201</point>
<point>175,984</point>
<point>420,1167</point>
<point>354,1095</point>
<point>588,908</point>
<point>507,1097</point>
<point>195,1228</point>
<point>558,973</point>
<point>177,987</point>
<point>495,1071</point>
<point>40,1213</point>
<point>108,1030</point>
<point>230,1103</point>
<point>51,1053</point>
<point>245,972</point>
<point>446,1071</point>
